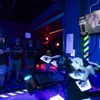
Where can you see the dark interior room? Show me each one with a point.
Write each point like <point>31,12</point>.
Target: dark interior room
<point>49,49</point>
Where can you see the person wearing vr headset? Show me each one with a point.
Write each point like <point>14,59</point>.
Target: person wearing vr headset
<point>75,70</point>
<point>72,67</point>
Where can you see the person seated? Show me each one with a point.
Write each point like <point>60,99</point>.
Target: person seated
<point>93,67</point>
<point>74,72</point>
<point>76,69</point>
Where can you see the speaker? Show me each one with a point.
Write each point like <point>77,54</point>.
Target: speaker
<point>48,79</point>
<point>29,81</point>
<point>41,80</point>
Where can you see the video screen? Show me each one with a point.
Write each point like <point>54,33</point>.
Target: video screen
<point>90,22</point>
<point>82,24</point>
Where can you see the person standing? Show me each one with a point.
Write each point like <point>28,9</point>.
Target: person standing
<point>15,60</point>
<point>47,65</point>
<point>38,52</point>
<point>29,56</point>
<point>3,69</point>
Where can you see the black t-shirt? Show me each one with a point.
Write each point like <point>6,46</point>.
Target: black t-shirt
<point>15,55</point>
<point>3,46</point>
<point>29,50</point>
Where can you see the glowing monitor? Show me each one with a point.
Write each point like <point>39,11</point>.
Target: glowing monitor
<point>90,23</point>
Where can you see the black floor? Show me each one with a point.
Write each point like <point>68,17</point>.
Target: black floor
<point>15,91</point>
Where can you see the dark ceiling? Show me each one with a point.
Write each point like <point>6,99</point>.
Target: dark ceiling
<point>22,11</point>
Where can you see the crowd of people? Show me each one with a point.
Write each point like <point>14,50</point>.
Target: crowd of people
<point>11,59</point>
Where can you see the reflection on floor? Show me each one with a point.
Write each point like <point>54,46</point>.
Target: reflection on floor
<point>55,92</point>
<point>44,94</point>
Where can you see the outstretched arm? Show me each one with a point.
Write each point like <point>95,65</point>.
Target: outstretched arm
<point>92,63</point>
<point>86,72</point>
<point>56,56</point>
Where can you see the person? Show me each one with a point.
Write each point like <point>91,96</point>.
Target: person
<point>29,55</point>
<point>3,67</point>
<point>70,66</point>
<point>47,65</point>
<point>15,59</point>
<point>92,66</point>
<point>38,52</point>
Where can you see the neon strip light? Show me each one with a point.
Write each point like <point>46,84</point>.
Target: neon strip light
<point>57,97</point>
<point>86,55</point>
<point>86,37</point>
<point>27,77</point>
<point>56,31</point>
<point>25,90</point>
<point>19,92</point>
<point>3,96</point>
<point>12,94</point>
<point>87,59</point>
<point>86,49</point>
<point>86,43</point>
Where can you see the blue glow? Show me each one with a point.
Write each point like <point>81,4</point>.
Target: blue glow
<point>3,96</point>
<point>27,77</point>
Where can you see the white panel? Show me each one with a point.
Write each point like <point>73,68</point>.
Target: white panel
<point>69,43</point>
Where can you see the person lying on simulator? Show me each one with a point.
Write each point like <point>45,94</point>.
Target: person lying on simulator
<point>77,69</point>
<point>93,67</point>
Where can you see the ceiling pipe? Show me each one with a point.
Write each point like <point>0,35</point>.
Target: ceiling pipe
<point>50,21</point>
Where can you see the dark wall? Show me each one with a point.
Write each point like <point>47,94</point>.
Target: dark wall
<point>11,30</point>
